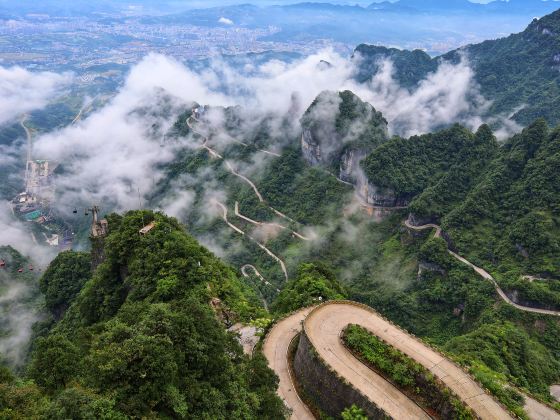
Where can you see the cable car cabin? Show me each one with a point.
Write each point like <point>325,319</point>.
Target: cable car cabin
<point>146,229</point>
<point>20,270</point>
<point>2,264</point>
<point>30,268</point>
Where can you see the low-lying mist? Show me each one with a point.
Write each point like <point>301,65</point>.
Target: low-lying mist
<point>117,156</point>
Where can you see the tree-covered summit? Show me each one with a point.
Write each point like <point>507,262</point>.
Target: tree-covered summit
<point>145,336</point>
<point>338,122</point>
<point>520,73</point>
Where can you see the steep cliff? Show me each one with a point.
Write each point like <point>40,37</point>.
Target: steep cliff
<point>339,130</point>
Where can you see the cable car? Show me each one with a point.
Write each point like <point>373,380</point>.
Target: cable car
<point>30,268</point>
<point>75,211</point>
<point>20,270</point>
<point>2,263</point>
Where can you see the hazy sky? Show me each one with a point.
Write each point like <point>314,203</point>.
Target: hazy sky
<point>211,3</point>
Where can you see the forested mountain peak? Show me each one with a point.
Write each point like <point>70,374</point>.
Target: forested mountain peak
<point>337,122</point>
<point>547,25</point>
<point>141,339</point>
<point>520,73</point>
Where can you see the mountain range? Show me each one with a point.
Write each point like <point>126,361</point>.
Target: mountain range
<point>452,235</point>
<point>520,73</point>
<point>511,6</point>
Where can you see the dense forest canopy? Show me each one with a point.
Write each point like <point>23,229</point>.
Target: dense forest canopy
<point>140,338</point>
<point>499,204</point>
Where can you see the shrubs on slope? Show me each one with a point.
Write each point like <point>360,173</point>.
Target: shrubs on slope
<point>142,340</point>
<point>511,218</point>
<point>407,374</point>
<point>64,279</point>
<point>314,284</point>
<point>409,166</point>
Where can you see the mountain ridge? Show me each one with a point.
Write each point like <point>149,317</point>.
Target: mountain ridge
<point>528,65</point>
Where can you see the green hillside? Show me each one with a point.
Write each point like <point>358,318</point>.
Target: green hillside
<point>520,74</point>
<point>511,218</point>
<point>499,204</point>
<point>141,338</point>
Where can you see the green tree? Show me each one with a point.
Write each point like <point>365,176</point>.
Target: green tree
<point>141,340</point>
<point>55,362</point>
<point>353,413</point>
<point>314,284</point>
<point>63,280</point>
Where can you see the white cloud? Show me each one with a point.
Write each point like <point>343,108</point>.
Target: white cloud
<point>17,235</point>
<point>115,153</point>
<point>23,91</point>
<point>112,156</point>
<point>448,95</point>
<point>225,21</point>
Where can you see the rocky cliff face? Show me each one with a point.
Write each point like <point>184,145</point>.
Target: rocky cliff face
<point>350,171</point>
<point>310,148</point>
<point>350,165</point>
<point>339,131</point>
<point>375,196</point>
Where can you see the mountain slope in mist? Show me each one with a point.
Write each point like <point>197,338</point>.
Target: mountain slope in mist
<point>21,306</point>
<point>520,73</point>
<point>146,336</point>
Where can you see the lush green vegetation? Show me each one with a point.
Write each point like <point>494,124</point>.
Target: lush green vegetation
<point>499,351</point>
<point>409,166</point>
<point>410,67</point>
<point>407,374</point>
<point>64,279</point>
<point>308,195</point>
<point>353,413</point>
<point>518,73</point>
<point>141,339</point>
<point>314,284</point>
<point>500,205</point>
<point>340,122</point>
<point>453,308</point>
<point>538,293</point>
<point>510,219</point>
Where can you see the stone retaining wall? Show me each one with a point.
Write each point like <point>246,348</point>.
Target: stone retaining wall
<point>328,390</point>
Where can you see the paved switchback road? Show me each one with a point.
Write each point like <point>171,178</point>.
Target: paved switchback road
<point>275,349</point>
<point>324,326</point>
<point>482,273</point>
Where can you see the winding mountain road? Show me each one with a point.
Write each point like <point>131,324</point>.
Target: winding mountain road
<point>241,232</point>
<point>324,325</point>
<point>481,272</point>
<point>230,167</point>
<point>274,225</point>
<point>275,349</point>
<point>216,155</point>
<point>258,274</point>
